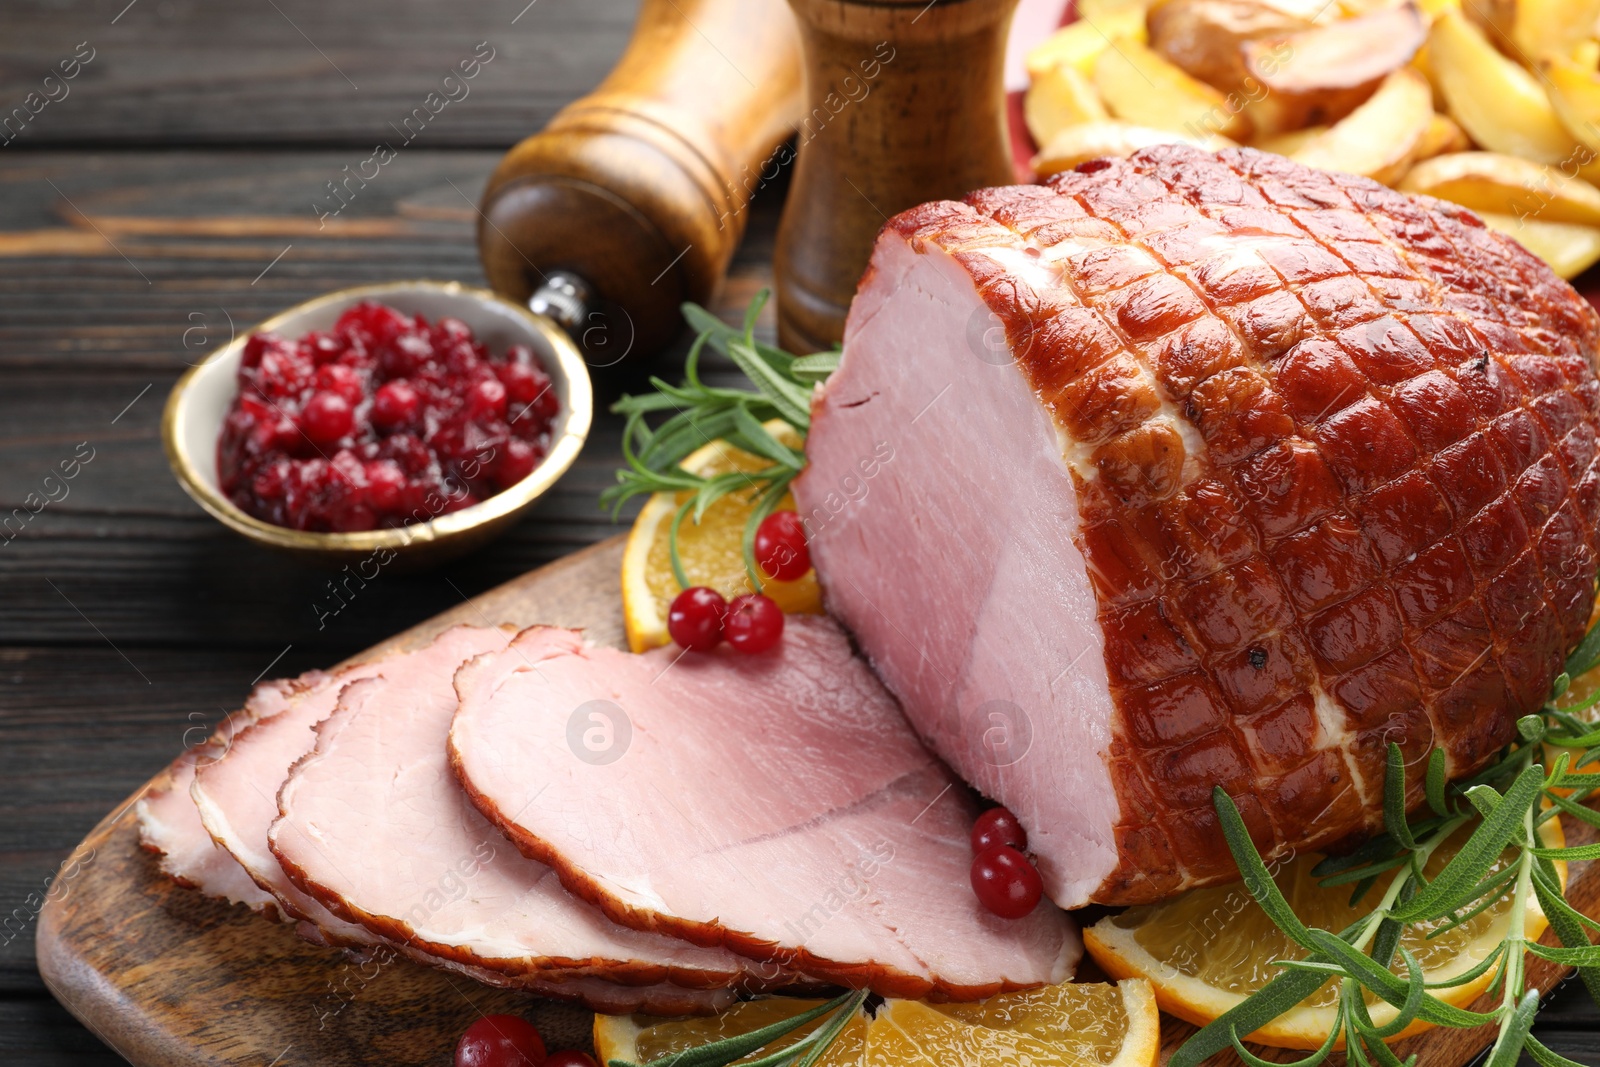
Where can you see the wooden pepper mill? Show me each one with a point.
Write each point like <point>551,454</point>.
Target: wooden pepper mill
<point>905,103</point>
<point>634,196</point>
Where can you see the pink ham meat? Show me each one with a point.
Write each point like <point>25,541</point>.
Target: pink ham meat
<point>1194,470</point>
<point>169,823</point>
<point>374,826</point>
<point>777,805</point>
<point>236,796</point>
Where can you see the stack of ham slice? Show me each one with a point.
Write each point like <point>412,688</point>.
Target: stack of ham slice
<point>331,800</point>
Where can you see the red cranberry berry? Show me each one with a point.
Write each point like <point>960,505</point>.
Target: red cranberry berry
<point>1005,882</point>
<point>522,382</point>
<point>514,463</point>
<point>326,418</point>
<point>341,379</point>
<point>695,618</point>
<point>501,1041</point>
<point>754,623</point>
<point>570,1058</point>
<point>450,329</point>
<point>395,404</point>
<point>386,485</point>
<point>781,547</point>
<point>487,399</point>
<point>998,826</point>
<point>322,347</point>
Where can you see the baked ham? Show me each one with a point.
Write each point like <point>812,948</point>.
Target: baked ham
<point>374,826</point>
<point>777,805</point>
<point>236,796</point>
<point>1191,470</point>
<point>169,823</point>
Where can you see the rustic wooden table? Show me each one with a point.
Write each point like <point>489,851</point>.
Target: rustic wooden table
<point>165,196</point>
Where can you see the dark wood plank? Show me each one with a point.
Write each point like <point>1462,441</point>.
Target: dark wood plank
<point>149,260</point>
<point>300,71</point>
<point>38,1030</point>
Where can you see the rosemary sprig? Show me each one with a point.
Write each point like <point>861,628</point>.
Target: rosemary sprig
<point>803,1053</point>
<point>698,414</point>
<point>1503,807</point>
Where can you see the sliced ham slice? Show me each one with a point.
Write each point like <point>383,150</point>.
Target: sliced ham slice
<point>236,798</point>
<point>374,826</point>
<point>237,795</point>
<point>777,804</point>
<point>169,822</point>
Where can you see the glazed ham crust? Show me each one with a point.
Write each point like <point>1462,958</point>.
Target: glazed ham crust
<point>1333,454</point>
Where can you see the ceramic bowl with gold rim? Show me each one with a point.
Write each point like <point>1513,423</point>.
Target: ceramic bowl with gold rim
<point>200,401</point>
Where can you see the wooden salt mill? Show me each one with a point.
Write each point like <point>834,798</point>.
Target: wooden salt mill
<point>928,124</point>
<point>634,196</point>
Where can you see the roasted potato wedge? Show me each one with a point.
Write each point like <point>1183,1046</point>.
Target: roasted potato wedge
<point>1096,140</point>
<point>1144,89</point>
<point>1570,249</point>
<point>1506,185</point>
<point>1322,74</point>
<point>1380,138</point>
<point>1205,37</point>
<point>1080,43</point>
<point>1575,95</point>
<point>1444,135</point>
<point>1532,29</point>
<point>1316,11</point>
<point>1060,97</point>
<point>1500,105</point>
<point>1287,144</point>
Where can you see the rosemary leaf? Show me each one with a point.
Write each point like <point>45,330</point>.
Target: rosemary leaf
<point>834,1027</point>
<point>692,415</point>
<point>1435,783</point>
<point>1481,968</point>
<point>1513,1035</point>
<point>815,368</point>
<point>1580,956</point>
<point>1257,879</point>
<point>1392,988</point>
<point>1468,866</point>
<point>1543,1056</point>
<point>723,1052</point>
<point>1416,989</point>
<point>1581,812</point>
<point>1256,1061</point>
<point>1394,799</point>
<point>1258,1009</point>
<point>792,401</point>
<point>1587,655</point>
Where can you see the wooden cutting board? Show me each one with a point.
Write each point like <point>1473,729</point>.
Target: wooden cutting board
<point>168,978</point>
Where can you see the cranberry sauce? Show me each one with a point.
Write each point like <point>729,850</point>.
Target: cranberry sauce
<point>382,421</point>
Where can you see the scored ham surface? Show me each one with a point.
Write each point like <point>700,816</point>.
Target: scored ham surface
<point>778,805</point>
<point>1192,470</point>
<point>374,825</point>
